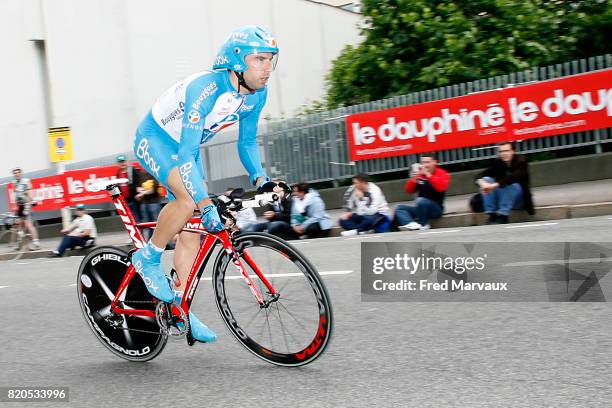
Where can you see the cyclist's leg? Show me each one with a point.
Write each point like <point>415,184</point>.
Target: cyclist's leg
<point>184,254</point>
<point>176,213</point>
<point>154,149</point>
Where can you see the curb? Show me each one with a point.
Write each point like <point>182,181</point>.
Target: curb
<point>46,253</point>
<point>451,220</point>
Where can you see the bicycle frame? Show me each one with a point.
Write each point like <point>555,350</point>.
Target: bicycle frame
<point>194,225</point>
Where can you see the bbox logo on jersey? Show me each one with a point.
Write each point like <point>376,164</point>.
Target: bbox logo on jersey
<point>143,153</point>
<point>185,170</point>
<point>194,116</point>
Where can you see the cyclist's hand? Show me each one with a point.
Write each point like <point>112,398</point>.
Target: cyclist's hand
<point>210,218</point>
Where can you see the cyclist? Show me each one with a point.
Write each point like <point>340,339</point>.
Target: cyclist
<point>23,200</point>
<point>168,142</point>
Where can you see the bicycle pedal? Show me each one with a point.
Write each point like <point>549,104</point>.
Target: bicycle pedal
<point>175,278</point>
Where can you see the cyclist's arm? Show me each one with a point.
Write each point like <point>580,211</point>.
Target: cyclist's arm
<point>190,167</point>
<point>247,143</point>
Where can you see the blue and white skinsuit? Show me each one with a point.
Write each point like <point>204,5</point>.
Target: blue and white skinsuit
<point>184,117</point>
<point>188,115</point>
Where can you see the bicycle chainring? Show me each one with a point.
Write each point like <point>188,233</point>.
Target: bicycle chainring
<point>172,320</point>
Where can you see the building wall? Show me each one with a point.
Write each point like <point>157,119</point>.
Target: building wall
<point>105,62</point>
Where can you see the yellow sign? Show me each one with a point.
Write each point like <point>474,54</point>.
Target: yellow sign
<point>60,144</point>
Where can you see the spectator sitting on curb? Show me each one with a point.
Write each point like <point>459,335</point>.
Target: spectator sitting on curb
<point>431,183</point>
<point>505,185</point>
<point>278,218</point>
<point>308,216</point>
<point>81,232</point>
<point>366,208</point>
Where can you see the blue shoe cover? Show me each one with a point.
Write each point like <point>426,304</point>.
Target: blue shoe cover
<point>152,275</point>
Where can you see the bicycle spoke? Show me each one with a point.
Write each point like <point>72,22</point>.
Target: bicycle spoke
<point>296,320</point>
<point>102,284</point>
<point>126,333</point>
<point>283,329</point>
<point>252,319</point>
<point>132,337</point>
<point>310,313</point>
<point>293,312</point>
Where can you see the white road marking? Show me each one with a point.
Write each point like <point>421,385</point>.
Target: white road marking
<point>22,263</point>
<point>51,261</point>
<point>286,275</point>
<point>439,232</point>
<point>532,225</point>
<point>2,287</point>
<point>558,262</point>
<point>72,284</point>
<point>365,237</point>
<point>300,242</point>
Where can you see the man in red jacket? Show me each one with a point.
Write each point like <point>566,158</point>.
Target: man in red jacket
<point>431,183</point>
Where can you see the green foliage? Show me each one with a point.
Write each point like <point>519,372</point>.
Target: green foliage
<point>412,45</point>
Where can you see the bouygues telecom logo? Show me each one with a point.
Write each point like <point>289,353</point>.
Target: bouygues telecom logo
<point>571,104</point>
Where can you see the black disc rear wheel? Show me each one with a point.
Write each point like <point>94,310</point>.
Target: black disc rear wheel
<point>134,338</point>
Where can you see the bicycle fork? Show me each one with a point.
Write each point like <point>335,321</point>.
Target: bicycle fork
<point>274,295</point>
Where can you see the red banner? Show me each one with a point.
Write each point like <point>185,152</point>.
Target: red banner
<point>80,184</point>
<point>48,192</point>
<point>570,104</point>
<point>68,189</point>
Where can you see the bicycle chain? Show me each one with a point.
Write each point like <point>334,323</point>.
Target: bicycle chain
<point>160,332</point>
<point>139,330</point>
<point>140,301</point>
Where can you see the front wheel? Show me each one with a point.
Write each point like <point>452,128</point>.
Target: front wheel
<point>134,338</point>
<point>294,327</point>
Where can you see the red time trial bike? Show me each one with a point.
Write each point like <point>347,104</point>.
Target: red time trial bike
<point>269,295</point>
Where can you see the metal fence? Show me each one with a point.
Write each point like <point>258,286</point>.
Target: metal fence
<point>315,148</point>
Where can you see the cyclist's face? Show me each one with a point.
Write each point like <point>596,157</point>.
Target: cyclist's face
<point>17,174</point>
<point>260,67</point>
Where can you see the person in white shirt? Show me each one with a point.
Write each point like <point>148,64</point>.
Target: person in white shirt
<point>366,208</point>
<point>81,232</point>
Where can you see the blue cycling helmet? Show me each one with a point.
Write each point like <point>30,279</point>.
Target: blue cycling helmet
<point>241,42</point>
